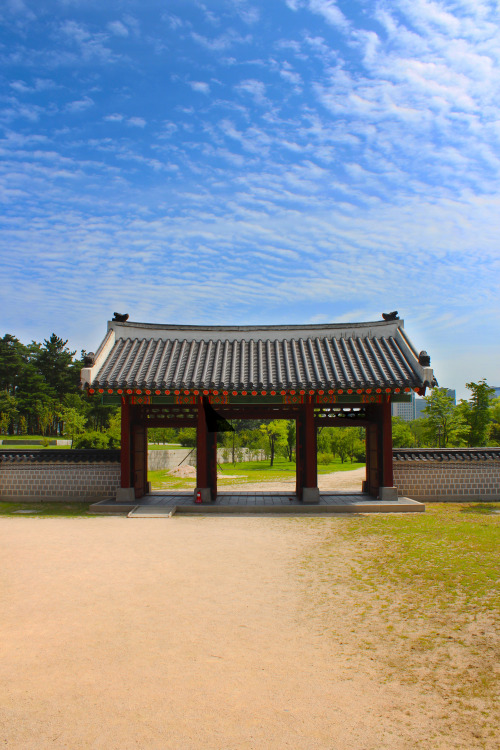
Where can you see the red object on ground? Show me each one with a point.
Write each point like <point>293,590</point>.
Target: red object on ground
<point>198,497</point>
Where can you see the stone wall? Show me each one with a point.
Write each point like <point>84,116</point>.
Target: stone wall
<point>452,475</point>
<point>170,459</point>
<point>37,478</point>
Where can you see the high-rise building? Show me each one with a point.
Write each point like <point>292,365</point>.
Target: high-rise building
<point>404,409</point>
<point>420,405</point>
<point>453,394</point>
<point>410,410</point>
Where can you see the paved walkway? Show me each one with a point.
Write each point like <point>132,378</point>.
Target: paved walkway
<point>255,498</point>
<point>166,504</point>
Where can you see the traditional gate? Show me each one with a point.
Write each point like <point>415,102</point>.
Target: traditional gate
<point>165,376</point>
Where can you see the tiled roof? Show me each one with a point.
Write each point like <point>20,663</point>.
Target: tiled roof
<point>358,355</point>
<point>76,456</point>
<point>446,454</point>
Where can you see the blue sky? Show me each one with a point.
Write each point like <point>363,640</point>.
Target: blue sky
<point>260,161</point>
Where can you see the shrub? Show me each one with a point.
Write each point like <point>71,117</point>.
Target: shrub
<point>91,439</point>
<point>325,458</point>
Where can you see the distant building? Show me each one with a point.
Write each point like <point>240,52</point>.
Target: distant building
<point>453,394</point>
<point>405,410</point>
<point>420,405</point>
<point>410,410</point>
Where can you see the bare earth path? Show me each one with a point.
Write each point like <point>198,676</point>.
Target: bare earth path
<point>337,480</point>
<point>189,633</point>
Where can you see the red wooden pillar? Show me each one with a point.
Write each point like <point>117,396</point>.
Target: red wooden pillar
<point>201,448</point>
<point>299,453</point>
<point>372,482</point>
<point>126,447</point>
<point>386,490</point>
<point>212,463</point>
<point>206,458</point>
<point>140,458</point>
<point>387,471</point>
<point>310,492</point>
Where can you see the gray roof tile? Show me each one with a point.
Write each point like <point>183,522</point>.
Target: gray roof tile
<point>358,355</point>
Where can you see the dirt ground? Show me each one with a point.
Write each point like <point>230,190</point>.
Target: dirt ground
<point>196,634</point>
<point>337,480</point>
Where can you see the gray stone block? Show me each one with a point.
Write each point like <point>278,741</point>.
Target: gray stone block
<point>125,495</point>
<point>388,493</point>
<point>310,495</point>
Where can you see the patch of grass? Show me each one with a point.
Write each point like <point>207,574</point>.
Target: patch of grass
<point>26,437</point>
<point>449,553</point>
<point>24,447</point>
<point>45,510</point>
<point>163,480</point>
<point>246,472</point>
<point>167,447</point>
<point>423,593</point>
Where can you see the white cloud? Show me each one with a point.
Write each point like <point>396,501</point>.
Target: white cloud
<point>137,122</point>
<point>91,46</point>
<point>330,12</point>
<point>20,87</point>
<point>80,104</point>
<point>255,88</point>
<point>113,118</point>
<point>200,86</point>
<point>118,28</point>
<point>222,42</point>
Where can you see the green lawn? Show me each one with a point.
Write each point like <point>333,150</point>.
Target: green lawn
<point>24,437</point>
<point>165,447</point>
<point>245,472</point>
<point>425,598</point>
<point>449,553</point>
<point>23,447</point>
<point>21,443</point>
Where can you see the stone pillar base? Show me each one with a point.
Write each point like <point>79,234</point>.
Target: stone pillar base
<point>206,494</point>
<point>125,495</point>
<point>148,488</point>
<point>310,495</point>
<point>387,493</point>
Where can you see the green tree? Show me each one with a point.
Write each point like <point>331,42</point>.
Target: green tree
<point>275,432</point>
<point>23,425</point>
<point>476,412</point>
<point>402,436</point>
<point>291,438</point>
<point>8,411</point>
<point>163,435</point>
<point>444,424</point>
<point>45,411</point>
<point>342,442</point>
<point>4,423</point>
<point>187,436</point>
<point>55,362</point>
<point>73,422</point>
<point>114,431</point>
<point>417,429</point>
<point>494,429</point>
<point>13,358</point>
<point>30,391</point>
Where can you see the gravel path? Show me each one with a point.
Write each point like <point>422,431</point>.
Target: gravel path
<point>337,480</point>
